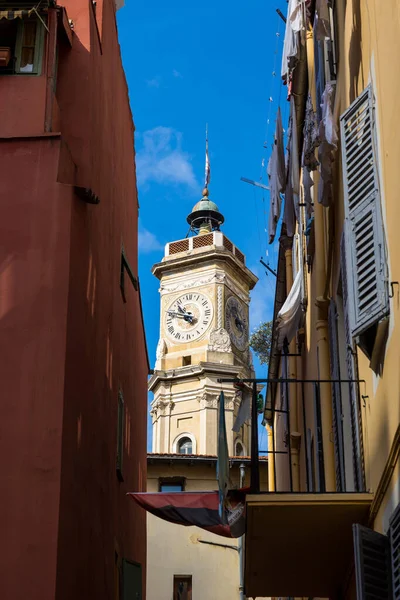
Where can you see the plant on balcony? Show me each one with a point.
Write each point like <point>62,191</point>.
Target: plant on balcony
<point>260,341</point>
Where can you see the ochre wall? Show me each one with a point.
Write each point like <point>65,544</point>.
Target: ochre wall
<point>176,550</point>
<point>368,43</point>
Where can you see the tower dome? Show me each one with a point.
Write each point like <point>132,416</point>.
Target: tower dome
<point>205,215</point>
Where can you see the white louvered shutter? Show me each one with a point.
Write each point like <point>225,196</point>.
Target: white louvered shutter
<point>372,564</point>
<point>365,241</point>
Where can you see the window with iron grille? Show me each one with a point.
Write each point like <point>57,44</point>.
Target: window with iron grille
<point>365,240</point>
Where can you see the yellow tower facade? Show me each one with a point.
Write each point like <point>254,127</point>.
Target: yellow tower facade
<point>204,335</point>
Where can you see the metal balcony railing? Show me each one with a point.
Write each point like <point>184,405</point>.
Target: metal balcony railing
<point>297,433</point>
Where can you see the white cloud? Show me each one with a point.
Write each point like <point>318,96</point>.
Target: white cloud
<point>147,241</point>
<point>176,73</point>
<point>154,82</point>
<point>161,159</point>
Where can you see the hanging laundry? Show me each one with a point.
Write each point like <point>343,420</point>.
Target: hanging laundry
<point>244,412</point>
<point>322,20</point>
<point>222,461</point>
<point>307,185</point>
<point>277,178</point>
<point>329,143</point>
<point>291,209</point>
<point>294,32</point>
<point>311,137</point>
<point>294,150</point>
<point>289,317</point>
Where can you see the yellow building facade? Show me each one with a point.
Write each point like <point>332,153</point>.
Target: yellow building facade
<point>204,315</point>
<point>330,526</point>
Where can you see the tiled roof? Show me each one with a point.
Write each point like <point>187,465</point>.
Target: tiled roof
<point>198,456</point>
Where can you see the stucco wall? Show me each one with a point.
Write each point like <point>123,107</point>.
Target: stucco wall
<point>176,550</point>
<point>68,341</point>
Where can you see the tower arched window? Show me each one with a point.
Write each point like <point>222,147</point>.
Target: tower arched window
<point>185,446</point>
<point>239,450</point>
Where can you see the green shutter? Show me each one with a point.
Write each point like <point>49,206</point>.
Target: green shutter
<point>352,371</point>
<point>372,564</point>
<point>131,580</point>
<point>365,241</point>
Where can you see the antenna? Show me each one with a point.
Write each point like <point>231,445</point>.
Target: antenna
<point>256,183</point>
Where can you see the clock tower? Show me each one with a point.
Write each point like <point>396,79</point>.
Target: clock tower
<point>204,335</point>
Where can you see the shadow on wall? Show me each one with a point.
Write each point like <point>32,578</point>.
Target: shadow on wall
<point>355,53</point>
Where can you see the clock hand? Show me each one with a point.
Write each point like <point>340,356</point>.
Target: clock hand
<point>188,317</point>
<point>174,314</point>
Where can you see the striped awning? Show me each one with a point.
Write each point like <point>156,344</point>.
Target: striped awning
<point>16,14</point>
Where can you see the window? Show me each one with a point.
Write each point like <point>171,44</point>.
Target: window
<point>131,580</point>
<point>120,435</point>
<point>182,587</point>
<point>126,267</point>
<point>377,560</point>
<point>239,450</point>
<point>185,446</point>
<point>172,484</point>
<point>21,42</point>
<point>366,262</point>
<point>186,361</point>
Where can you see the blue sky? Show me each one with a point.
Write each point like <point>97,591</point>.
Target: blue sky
<point>186,65</point>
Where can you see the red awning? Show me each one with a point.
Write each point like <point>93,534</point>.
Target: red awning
<point>197,508</point>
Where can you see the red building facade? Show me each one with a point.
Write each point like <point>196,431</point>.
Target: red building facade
<point>73,399</point>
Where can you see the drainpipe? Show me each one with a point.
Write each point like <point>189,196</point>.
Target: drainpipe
<point>321,303</point>
<point>287,243</point>
<point>242,469</point>
<point>271,460</point>
<point>51,67</point>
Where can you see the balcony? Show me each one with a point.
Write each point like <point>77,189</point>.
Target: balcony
<point>299,539</point>
<point>205,241</point>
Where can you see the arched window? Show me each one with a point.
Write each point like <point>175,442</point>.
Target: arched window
<point>185,446</point>
<point>239,450</point>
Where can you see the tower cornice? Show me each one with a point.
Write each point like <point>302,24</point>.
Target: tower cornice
<point>196,258</point>
<point>202,369</point>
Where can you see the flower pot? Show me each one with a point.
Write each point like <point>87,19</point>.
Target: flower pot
<point>5,56</point>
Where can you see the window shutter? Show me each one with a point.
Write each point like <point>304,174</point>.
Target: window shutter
<point>372,564</point>
<point>131,580</point>
<point>352,371</point>
<point>336,396</point>
<point>366,244</point>
<point>395,551</point>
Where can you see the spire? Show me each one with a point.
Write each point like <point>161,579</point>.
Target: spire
<point>205,216</point>
<point>207,169</point>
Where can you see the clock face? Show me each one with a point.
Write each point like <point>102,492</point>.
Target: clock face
<point>188,317</point>
<point>236,322</point>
